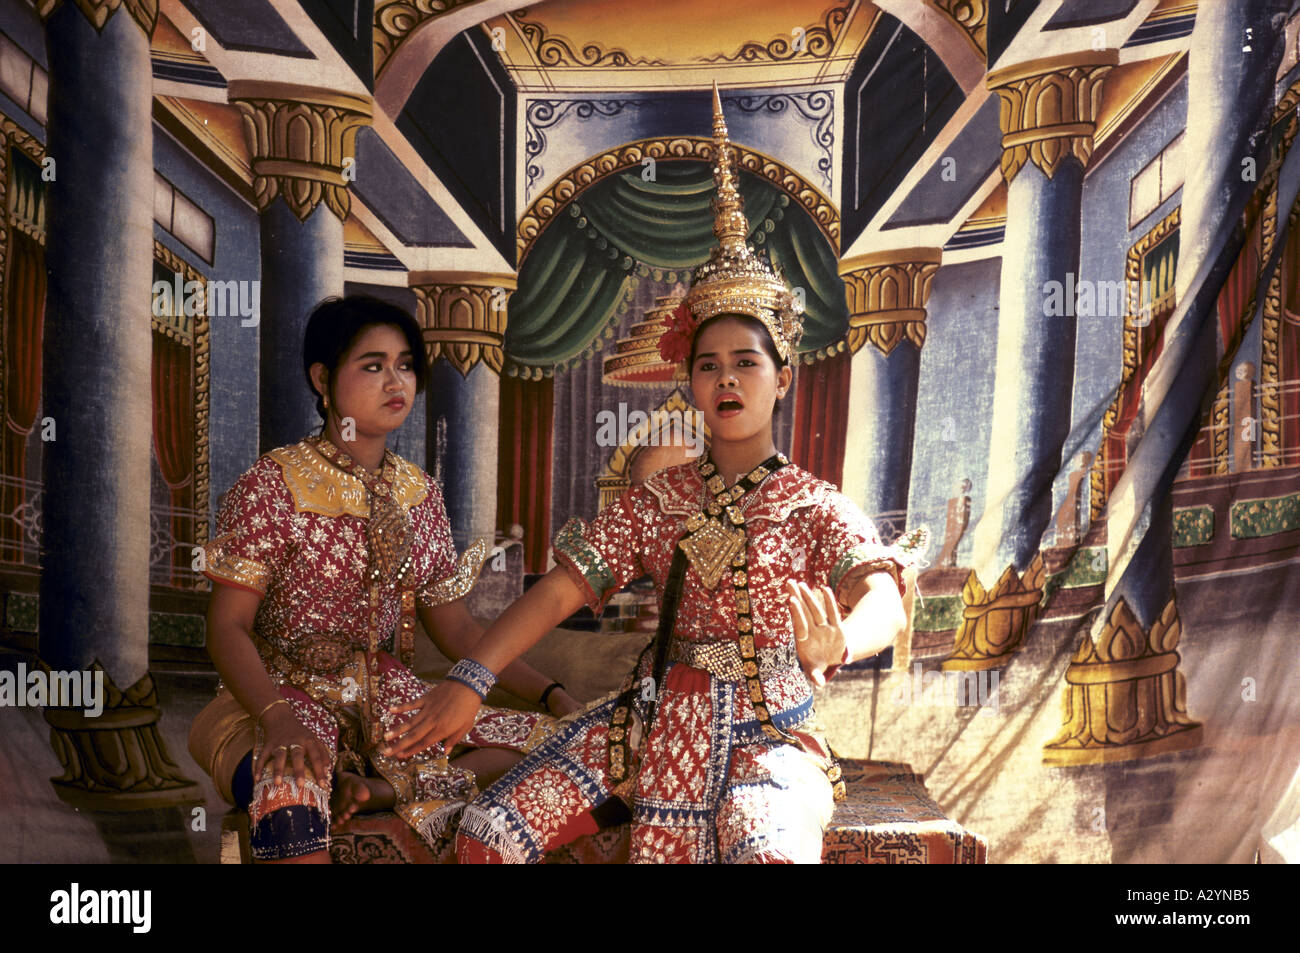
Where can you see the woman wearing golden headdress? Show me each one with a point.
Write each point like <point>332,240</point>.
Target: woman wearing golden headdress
<point>768,579</point>
<point>325,552</point>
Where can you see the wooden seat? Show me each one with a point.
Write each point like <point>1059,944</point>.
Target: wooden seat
<point>887,818</point>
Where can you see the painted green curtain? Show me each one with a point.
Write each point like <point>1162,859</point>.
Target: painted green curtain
<point>627,226</point>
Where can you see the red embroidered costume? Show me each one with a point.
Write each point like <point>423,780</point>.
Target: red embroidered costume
<point>294,529</point>
<point>712,785</point>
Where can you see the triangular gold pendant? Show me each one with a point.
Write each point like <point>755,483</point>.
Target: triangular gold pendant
<point>711,550</point>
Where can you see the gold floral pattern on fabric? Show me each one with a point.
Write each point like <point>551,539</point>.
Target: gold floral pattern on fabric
<point>319,487</point>
<point>311,563</point>
<point>305,546</point>
<point>225,566</point>
<point>679,492</point>
<point>459,583</point>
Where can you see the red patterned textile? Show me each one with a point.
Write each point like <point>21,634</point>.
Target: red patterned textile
<point>524,471</point>
<point>887,818</point>
<point>1289,350</point>
<point>711,785</point>
<point>293,528</point>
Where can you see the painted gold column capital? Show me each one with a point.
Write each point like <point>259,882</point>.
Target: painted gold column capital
<point>887,294</point>
<point>144,12</point>
<point>463,315</point>
<point>1049,109</point>
<point>1124,696</point>
<point>995,621</point>
<point>303,142</point>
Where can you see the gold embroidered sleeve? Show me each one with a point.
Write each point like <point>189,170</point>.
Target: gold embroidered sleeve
<point>439,592</point>
<point>584,562</point>
<point>604,555</point>
<point>860,562</point>
<point>849,549</point>
<point>255,537</point>
<point>224,565</point>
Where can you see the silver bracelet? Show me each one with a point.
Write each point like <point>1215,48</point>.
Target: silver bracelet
<point>474,676</point>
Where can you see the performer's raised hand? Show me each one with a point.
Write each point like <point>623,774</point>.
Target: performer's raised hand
<point>818,631</point>
<point>445,715</point>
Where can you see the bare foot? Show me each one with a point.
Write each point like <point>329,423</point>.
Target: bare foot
<point>354,794</point>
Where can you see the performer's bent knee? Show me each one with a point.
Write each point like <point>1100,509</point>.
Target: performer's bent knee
<point>286,832</point>
<point>286,820</point>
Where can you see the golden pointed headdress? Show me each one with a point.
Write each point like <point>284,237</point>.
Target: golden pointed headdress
<point>735,280</point>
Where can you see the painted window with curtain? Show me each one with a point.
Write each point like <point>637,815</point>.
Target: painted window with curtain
<point>178,495</point>
<point>24,313</point>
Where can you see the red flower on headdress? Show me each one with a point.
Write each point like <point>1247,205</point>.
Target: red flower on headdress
<point>675,342</point>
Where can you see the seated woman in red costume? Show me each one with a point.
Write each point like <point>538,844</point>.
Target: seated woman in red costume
<point>768,579</point>
<point>325,551</point>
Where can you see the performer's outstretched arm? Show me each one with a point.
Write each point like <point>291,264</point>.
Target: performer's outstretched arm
<point>447,712</point>
<point>456,633</point>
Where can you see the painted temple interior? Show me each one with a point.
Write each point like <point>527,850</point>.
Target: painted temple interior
<point>1052,312</point>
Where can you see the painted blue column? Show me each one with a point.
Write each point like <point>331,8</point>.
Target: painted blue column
<point>94,589</point>
<point>887,294</point>
<point>1047,114</point>
<point>302,264</point>
<point>464,320</point>
<point>303,145</point>
<point>1035,363</point>
<point>462,414</point>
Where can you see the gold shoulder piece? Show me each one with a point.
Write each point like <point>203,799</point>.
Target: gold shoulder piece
<point>439,592</point>
<point>673,490</point>
<point>409,486</point>
<point>317,485</point>
<point>320,487</point>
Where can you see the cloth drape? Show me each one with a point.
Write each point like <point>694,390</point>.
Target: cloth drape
<point>1289,347</point>
<point>173,438</point>
<point>574,276</point>
<point>524,467</point>
<point>820,424</point>
<point>23,330</point>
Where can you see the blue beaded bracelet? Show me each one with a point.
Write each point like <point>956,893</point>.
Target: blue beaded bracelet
<point>477,678</point>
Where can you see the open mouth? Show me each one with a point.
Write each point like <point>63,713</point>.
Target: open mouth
<point>729,406</point>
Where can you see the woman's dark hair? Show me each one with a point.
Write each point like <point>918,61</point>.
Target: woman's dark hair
<point>769,346</point>
<point>335,326</point>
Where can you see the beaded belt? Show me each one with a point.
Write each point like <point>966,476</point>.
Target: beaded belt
<point>723,658</point>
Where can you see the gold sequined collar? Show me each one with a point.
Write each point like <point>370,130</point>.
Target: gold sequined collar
<point>318,486</point>
<point>678,490</point>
